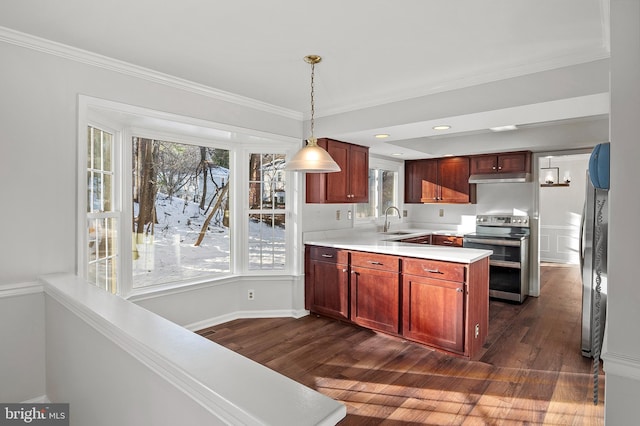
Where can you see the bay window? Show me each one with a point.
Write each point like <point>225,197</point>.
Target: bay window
<point>160,207</point>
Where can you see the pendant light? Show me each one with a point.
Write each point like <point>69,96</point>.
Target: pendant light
<point>312,158</point>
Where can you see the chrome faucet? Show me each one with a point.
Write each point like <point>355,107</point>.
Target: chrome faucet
<point>386,220</point>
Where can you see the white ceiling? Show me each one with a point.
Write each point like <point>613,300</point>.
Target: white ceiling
<point>374,51</point>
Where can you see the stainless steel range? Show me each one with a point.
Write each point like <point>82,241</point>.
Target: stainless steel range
<point>508,237</point>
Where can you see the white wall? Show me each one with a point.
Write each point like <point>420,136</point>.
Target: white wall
<point>622,347</point>
<point>560,210</point>
<point>22,337</point>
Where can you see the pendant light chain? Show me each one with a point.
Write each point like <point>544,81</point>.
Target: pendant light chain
<point>313,111</point>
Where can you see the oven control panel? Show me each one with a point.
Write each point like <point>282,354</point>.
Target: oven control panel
<point>502,220</point>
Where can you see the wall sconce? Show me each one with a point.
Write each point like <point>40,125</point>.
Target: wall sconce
<point>550,176</point>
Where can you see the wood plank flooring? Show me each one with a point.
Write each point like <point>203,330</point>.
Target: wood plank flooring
<point>530,370</point>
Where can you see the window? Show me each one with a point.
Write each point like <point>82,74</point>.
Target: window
<point>267,212</point>
<point>383,192</point>
<point>180,211</point>
<point>102,214</point>
<point>159,196</point>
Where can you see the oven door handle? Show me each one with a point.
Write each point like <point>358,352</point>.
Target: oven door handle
<point>504,263</point>
<point>489,241</point>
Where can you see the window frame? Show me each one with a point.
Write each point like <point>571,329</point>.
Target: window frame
<point>126,121</point>
<point>376,163</point>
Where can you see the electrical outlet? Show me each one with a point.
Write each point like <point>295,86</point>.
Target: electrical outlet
<point>477,330</point>
<point>251,294</point>
<point>404,213</point>
<point>337,214</point>
<point>441,213</point>
<point>349,215</point>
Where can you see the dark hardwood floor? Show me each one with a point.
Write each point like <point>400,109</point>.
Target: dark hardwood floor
<point>530,371</point>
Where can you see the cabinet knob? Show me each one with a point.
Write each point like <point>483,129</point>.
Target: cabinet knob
<point>500,168</point>
<point>345,270</point>
<point>459,290</point>
<point>494,167</point>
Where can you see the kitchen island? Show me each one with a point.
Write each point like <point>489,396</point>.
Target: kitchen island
<point>434,295</point>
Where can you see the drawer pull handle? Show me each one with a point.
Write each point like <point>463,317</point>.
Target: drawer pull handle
<point>328,255</point>
<point>432,271</point>
<point>447,243</point>
<point>374,262</point>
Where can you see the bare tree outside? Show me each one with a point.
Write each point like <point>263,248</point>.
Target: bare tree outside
<point>180,194</point>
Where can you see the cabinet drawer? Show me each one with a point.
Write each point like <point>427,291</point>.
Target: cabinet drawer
<point>446,240</point>
<point>383,262</point>
<point>434,269</point>
<point>423,239</point>
<point>328,254</point>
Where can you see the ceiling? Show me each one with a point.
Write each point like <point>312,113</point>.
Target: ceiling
<point>375,52</point>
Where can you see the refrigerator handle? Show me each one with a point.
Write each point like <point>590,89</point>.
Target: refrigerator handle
<point>580,239</point>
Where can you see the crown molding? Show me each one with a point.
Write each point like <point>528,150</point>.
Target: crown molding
<point>50,47</point>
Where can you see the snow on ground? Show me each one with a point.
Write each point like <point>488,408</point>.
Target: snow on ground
<point>169,255</point>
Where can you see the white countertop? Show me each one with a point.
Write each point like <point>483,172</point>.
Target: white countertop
<point>377,242</point>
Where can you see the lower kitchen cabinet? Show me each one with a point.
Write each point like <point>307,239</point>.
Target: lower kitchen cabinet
<point>444,305</point>
<point>446,240</point>
<point>433,311</point>
<point>327,281</point>
<point>375,291</point>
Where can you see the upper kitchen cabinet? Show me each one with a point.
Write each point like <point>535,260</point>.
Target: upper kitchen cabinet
<point>439,180</point>
<point>351,184</point>
<point>506,162</point>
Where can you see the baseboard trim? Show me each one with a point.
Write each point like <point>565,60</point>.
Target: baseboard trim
<point>621,365</point>
<point>281,313</point>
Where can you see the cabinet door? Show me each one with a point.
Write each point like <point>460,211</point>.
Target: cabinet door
<point>514,162</point>
<point>338,183</point>
<point>413,181</point>
<point>375,299</point>
<point>358,175</point>
<point>453,177</point>
<point>483,164</point>
<point>433,312</point>
<point>429,182</point>
<point>329,289</point>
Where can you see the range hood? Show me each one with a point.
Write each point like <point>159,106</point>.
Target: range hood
<point>519,177</point>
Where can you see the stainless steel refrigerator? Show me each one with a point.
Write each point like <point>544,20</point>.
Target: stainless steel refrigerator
<point>593,261</point>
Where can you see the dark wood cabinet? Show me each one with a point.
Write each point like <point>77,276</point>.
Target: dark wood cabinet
<point>446,304</point>
<point>350,185</point>
<point>327,281</point>
<point>433,308</point>
<point>375,291</point>
<point>446,240</point>
<point>440,180</point>
<point>506,162</point>
<point>441,304</point>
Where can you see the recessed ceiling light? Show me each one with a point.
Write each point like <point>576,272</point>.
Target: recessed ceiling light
<point>503,128</point>
<point>441,127</point>
<point>382,136</point>
<point>396,154</point>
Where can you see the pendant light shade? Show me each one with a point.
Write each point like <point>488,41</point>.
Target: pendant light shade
<point>312,158</point>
